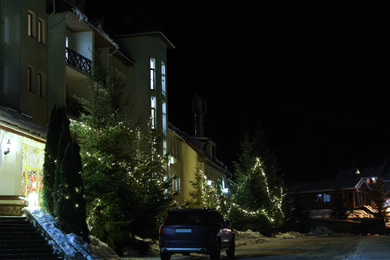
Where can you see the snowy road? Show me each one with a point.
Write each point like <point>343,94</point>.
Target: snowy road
<point>346,248</point>
<point>343,248</point>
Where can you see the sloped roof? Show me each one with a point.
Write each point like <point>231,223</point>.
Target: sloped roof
<point>198,146</point>
<point>374,169</point>
<point>15,122</point>
<point>328,185</point>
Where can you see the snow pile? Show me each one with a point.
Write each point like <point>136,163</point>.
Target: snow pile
<point>102,250</point>
<point>359,213</point>
<point>289,235</point>
<point>249,237</point>
<point>71,244</point>
<point>321,231</point>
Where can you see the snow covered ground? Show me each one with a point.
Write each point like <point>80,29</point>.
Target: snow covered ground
<point>247,242</point>
<point>70,244</point>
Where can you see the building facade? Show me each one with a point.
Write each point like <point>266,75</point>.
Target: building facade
<point>189,154</point>
<point>47,50</point>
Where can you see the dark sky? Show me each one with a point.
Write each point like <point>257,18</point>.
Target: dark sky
<point>312,74</point>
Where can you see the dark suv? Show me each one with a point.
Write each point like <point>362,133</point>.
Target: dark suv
<point>196,231</point>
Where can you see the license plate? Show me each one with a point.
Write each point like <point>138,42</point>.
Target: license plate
<point>184,230</point>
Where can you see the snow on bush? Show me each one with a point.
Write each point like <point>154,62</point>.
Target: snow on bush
<point>71,244</point>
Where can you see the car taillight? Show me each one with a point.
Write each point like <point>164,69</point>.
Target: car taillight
<point>159,230</point>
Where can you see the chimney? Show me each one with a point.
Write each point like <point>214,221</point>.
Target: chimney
<point>199,109</point>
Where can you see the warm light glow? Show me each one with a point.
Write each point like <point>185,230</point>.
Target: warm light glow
<point>32,200</point>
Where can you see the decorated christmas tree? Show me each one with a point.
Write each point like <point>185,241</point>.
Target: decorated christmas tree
<point>124,174</point>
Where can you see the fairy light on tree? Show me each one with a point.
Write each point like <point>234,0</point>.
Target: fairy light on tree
<point>257,192</point>
<point>123,172</point>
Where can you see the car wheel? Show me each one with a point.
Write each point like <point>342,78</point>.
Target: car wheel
<point>232,249</point>
<point>165,256</point>
<point>216,254</point>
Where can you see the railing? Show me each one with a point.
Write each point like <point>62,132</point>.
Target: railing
<point>78,61</point>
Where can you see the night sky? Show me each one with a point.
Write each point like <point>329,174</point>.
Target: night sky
<point>314,75</point>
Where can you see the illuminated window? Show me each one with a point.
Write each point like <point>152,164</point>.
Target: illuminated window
<point>164,117</point>
<point>326,197</point>
<point>163,79</point>
<point>153,104</point>
<point>152,73</point>
<point>30,24</point>
<point>323,198</point>
<point>66,47</point>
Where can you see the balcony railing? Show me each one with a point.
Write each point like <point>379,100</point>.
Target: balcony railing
<point>78,61</point>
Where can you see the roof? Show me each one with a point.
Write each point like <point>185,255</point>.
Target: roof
<point>375,168</point>
<point>21,124</point>
<point>354,183</point>
<point>198,145</point>
<point>157,34</point>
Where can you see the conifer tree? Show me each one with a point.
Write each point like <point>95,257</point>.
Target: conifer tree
<point>63,141</point>
<point>54,129</point>
<point>258,193</point>
<point>71,206</point>
<point>124,174</point>
<point>206,193</point>
<point>379,196</point>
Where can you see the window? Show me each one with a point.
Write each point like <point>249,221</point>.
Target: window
<point>29,73</point>
<point>30,24</point>
<point>326,197</point>
<point>153,74</point>
<point>163,79</point>
<point>40,84</point>
<point>323,198</point>
<point>66,47</point>
<point>40,31</point>
<point>153,102</point>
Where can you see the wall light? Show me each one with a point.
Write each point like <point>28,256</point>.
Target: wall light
<point>7,147</point>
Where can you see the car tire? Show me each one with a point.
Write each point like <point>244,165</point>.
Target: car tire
<point>216,254</point>
<point>165,256</point>
<point>232,249</point>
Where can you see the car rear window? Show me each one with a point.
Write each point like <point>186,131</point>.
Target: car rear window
<point>185,218</point>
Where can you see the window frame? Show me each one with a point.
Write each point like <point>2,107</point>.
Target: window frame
<point>30,24</point>
<point>29,78</point>
<point>152,73</point>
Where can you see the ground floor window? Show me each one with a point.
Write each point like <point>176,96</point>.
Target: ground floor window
<point>323,197</point>
<point>32,165</point>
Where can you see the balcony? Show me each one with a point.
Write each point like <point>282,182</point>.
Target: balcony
<point>78,61</point>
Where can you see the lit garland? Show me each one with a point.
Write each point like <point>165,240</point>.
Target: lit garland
<point>275,197</point>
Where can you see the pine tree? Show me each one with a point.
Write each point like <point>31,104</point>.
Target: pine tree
<point>59,178</point>
<point>379,196</point>
<point>54,129</point>
<point>124,174</point>
<point>258,193</point>
<point>71,206</point>
<point>206,193</point>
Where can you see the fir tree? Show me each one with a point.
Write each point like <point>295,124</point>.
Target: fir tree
<point>124,174</point>
<point>206,193</point>
<point>54,129</point>
<point>71,206</point>
<point>64,139</point>
<point>258,190</point>
<point>379,196</point>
